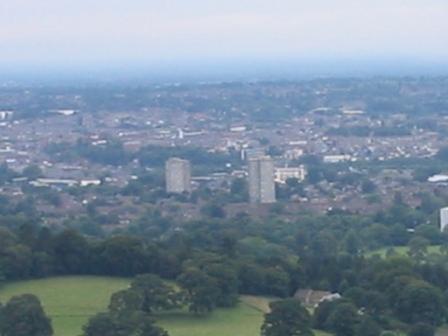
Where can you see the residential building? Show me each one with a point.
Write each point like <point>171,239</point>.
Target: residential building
<point>178,175</point>
<point>261,180</point>
<point>443,219</point>
<point>282,174</point>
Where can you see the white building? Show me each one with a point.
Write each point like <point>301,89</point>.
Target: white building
<point>4,115</point>
<point>47,182</point>
<point>336,158</point>
<point>282,174</point>
<point>178,175</point>
<point>66,112</point>
<point>443,219</point>
<point>438,178</point>
<point>88,183</point>
<point>238,129</point>
<point>261,180</point>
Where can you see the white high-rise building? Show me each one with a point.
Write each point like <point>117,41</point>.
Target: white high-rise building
<point>178,175</point>
<point>443,219</point>
<point>261,180</point>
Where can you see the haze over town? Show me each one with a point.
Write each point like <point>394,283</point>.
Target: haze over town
<point>256,38</point>
<point>224,168</point>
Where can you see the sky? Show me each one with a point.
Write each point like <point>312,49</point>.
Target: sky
<point>165,33</point>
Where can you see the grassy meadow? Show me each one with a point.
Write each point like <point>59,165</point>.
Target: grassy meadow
<point>70,301</point>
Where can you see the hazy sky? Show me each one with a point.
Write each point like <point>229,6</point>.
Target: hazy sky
<point>111,31</point>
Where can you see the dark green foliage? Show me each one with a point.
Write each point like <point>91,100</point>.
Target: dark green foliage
<point>32,172</point>
<point>148,293</point>
<point>322,313</point>
<point>422,329</point>
<point>418,248</point>
<point>239,190</point>
<point>210,284</point>
<point>125,324</point>
<point>419,301</point>
<point>287,318</point>
<point>227,282</point>
<point>368,187</point>
<point>367,327</point>
<point>126,300</point>
<point>72,251</point>
<point>343,319</point>
<point>371,301</point>
<point>315,174</point>
<point>213,210</point>
<point>202,291</point>
<point>267,280</point>
<point>24,316</point>
<point>125,256</point>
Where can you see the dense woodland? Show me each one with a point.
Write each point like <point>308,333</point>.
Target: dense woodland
<point>214,260</point>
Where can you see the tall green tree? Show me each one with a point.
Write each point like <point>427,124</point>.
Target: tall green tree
<point>147,293</point>
<point>367,327</point>
<point>202,290</point>
<point>418,248</point>
<point>227,281</point>
<point>343,320</point>
<point>420,302</point>
<point>124,324</point>
<point>24,316</point>
<point>287,318</point>
<point>71,251</point>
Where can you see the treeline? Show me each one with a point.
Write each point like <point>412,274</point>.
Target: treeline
<point>112,152</point>
<point>214,260</point>
<point>34,253</point>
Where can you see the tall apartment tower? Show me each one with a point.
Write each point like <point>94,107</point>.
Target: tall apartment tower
<point>178,175</point>
<point>261,180</point>
<point>443,219</point>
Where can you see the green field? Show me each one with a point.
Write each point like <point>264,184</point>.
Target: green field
<point>401,250</point>
<point>70,301</point>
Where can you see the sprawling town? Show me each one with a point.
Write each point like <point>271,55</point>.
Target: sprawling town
<point>258,148</point>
